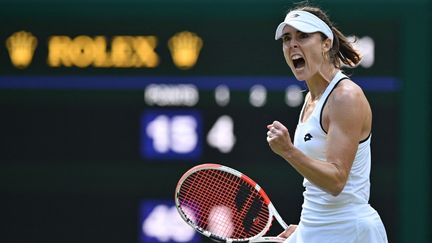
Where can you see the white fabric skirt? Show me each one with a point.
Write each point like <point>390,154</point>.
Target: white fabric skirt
<point>350,224</point>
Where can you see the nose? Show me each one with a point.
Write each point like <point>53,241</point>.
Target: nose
<point>293,43</point>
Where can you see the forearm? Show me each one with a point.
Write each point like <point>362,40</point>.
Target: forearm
<point>324,174</point>
<point>330,175</point>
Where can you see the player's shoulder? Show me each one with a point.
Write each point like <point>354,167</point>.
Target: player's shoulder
<point>346,95</point>
<point>346,91</point>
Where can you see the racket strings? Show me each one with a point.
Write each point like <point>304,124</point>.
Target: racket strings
<point>223,204</point>
<point>210,213</point>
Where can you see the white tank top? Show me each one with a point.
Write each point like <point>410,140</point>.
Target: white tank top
<point>310,138</point>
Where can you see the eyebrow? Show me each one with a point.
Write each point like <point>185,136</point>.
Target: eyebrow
<point>297,31</point>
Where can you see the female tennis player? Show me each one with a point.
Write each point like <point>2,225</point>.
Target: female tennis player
<point>331,147</point>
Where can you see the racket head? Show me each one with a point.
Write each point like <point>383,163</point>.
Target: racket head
<point>223,204</point>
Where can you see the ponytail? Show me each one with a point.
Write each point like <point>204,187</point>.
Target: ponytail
<point>342,50</point>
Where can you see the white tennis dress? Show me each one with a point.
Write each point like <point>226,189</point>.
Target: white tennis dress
<point>346,218</point>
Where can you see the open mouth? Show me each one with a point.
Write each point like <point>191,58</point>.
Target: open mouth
<point>298,62</point>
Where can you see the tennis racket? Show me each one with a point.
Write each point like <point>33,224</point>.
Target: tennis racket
<point>225,205</point>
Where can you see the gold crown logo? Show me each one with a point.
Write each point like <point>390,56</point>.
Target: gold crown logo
<point>185,48</point>
<point>21,46</point>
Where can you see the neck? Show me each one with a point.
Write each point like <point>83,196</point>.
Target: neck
<point>319,82</point>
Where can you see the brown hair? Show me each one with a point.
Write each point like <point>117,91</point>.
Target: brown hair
<point>342,50</point>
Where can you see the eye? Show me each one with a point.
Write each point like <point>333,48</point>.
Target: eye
<point>286,38</point>
<point>303,35</point>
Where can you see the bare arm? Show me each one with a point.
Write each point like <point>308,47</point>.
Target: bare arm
<point>346,115</point>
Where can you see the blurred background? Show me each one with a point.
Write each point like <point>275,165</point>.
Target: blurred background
<point>104,104</point>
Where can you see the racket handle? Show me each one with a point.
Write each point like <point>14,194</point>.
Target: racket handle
<point>268,239</point>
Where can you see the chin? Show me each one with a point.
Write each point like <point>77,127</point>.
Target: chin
<point>299,77</point>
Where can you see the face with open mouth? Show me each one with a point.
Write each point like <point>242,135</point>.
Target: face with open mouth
<point>303,52</point>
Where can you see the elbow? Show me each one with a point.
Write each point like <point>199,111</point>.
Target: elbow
<point>338,182</point>
<point>337,188</point>
<point>335,191</point>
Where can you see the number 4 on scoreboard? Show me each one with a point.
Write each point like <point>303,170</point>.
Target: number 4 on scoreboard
<point>221,135</point>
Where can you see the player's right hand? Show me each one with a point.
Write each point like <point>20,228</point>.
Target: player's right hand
<point>288,231</point>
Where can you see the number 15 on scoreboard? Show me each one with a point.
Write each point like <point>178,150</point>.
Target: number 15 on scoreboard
<point>171,134</point>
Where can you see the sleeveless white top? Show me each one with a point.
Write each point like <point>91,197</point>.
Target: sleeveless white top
<point>310,138</point>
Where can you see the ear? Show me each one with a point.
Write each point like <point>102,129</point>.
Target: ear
<point>326,45</point>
